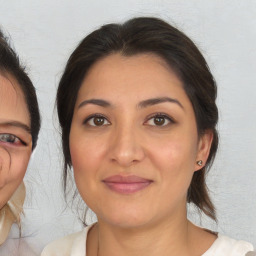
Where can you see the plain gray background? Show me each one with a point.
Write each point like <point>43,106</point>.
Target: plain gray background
<point>45,32</point>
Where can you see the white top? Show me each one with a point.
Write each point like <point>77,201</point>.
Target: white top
<point>16,245</point>
<point>74,245</point>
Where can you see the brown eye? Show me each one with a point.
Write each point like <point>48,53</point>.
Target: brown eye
<point>159,120</point>
<point>97,121</point>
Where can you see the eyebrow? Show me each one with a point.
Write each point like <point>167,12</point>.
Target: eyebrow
<point>17,124</point>
<point>99,102</point>
<point>142,104</point>
<point>154,101</point>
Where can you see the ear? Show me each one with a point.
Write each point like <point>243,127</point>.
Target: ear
<point>204,146</point>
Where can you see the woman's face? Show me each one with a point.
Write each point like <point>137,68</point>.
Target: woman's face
<point>15,137</point>
<point>134,142</point>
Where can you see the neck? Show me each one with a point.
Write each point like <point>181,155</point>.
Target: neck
<point>175,236</point>
<point>150,242</point>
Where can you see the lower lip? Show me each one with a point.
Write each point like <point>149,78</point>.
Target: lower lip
<point>127,188</point>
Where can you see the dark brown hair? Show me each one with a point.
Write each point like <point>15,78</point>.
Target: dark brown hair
<point>10,64</point>
<point>137,36</point>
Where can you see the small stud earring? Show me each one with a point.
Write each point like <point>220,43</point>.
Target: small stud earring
<point>200,162</point>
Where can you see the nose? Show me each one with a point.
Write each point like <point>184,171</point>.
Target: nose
<point>126,147</point>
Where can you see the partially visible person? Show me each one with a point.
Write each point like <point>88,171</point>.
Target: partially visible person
<point>136,105</point>
<point>19,128</point>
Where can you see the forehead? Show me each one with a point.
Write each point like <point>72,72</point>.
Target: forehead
<point>12,102</point>
<point>142,73</point>
<point>133,78</point>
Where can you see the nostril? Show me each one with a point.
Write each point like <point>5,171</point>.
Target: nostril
<point>127,156</point>
<point>126,147</point>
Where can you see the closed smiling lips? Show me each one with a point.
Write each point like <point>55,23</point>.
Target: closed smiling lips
<point>126,184</point>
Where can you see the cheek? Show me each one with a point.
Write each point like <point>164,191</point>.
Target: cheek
<point>12,170</point>
<point>86,161</point>
<point>17,167</point>
<point>87,156</point>
<point>19,164</point>
<point>5,164</point>
<point>175,158</point>
<point>84,155</point>
<point>174,153</point>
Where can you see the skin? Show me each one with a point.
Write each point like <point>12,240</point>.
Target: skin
<point>130,140</point>
<point>15,137</point>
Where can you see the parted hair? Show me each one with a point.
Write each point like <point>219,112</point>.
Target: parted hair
<point>137,36</point>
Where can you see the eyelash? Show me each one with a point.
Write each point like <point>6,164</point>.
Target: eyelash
<point>11,139</point>
<point>153,116</point>
<point>91,117</point>
<point>160,115</point>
